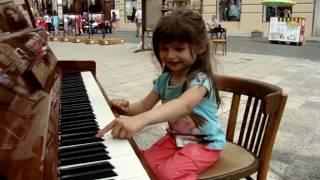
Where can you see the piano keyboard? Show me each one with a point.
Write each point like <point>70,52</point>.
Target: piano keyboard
<point>84,111</point>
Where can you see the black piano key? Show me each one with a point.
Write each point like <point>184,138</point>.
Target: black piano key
<point>76,141</point>
<point>79,124</point>
<point>71,78</point>
<point>92,171</point>
<point>78,135</point>
<point>76,102</point>
<point>75,128</point>
<point>72,82</point>
<point>75,118</point>
<point>72,85</point>
<point>84,158</point>
<point>71,106</point>
<point>79,147</point>
<point>82,152</point>
<point>75,99</point>
<point>70,96</point>
<point>63,123</point>
<point>73,89</point>
<point>73,114</point>
<point>78,129</point>
<point>81,108</point>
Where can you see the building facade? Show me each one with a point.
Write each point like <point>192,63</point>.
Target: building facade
<point>243,16</point>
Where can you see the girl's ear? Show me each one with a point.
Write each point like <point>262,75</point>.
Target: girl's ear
<point>201,49</point>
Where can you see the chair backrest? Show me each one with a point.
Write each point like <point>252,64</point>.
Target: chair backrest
<point>263,105</point>
<point>219,32</point>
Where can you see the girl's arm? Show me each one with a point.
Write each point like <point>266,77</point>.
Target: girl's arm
<point>123,107</point>
<point>176,108</point>
<point>144,105</point>
<point>170,111</point>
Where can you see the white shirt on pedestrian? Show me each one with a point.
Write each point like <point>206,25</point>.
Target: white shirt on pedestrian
<point>138,15</point>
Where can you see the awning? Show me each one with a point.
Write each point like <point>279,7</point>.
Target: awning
<point>278,3</point>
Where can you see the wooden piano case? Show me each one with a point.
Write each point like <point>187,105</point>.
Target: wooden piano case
<point>30,82</point>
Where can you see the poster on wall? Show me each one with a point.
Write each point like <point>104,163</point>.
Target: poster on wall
<point>286,29</point>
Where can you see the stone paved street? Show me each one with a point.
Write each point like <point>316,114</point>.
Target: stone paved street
<point>296,154</point>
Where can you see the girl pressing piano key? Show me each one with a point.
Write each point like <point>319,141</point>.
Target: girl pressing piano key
<point>189,97</point>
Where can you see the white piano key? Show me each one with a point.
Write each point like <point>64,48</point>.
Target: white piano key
<point>127,165</point>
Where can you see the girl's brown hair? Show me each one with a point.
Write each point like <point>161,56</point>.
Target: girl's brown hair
<point>185,26</point>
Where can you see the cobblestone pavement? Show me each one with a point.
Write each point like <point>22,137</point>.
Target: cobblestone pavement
<point>296,153</point>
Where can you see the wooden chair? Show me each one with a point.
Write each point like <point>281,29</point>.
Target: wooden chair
<point>250,151</point>
<point>220,42</point>
<point>219,38</point>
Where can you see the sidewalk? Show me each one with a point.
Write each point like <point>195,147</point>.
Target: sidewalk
<point>296,153</point>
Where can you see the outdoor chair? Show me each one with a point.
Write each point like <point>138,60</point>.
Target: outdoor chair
<point>254,118</point>
<point>218,32</point>
<point>219,38</point>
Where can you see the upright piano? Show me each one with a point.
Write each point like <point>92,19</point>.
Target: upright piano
<point>50,111</point>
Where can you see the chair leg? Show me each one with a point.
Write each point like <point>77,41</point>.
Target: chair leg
<point>215,49</point>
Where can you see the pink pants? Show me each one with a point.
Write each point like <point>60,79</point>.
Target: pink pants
<point>171,163</point>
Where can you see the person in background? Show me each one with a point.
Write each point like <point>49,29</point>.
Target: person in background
<point>223,10</point>
<point>213,23</point>
<point>55,22</point>
<point>286,12</point>
<point>79,23</point>
<point>42,23</point>
<point>133,14</point>
<point>14,19</point>
<point>138,21</point>
<point>234,11</point>
<point>190,101</point>
<point>113,19</point>
<point>47,17</point>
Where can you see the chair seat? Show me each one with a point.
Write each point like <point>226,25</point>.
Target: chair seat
<point>219,40</point>
<point>234,162</point>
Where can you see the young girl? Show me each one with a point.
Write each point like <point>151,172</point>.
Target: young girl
<point>189,99</point>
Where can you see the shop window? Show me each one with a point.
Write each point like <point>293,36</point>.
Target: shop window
<point>229,10</point>
<point>276,12</point>
<point>130,9</point>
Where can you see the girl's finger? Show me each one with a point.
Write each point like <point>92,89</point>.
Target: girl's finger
<point>105,129</point>
<point>122,134</point>
<point>116,130</point>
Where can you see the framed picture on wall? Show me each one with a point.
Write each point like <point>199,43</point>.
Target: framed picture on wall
<point>13,17</point>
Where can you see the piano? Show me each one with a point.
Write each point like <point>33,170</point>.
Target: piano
<point>50,111</point>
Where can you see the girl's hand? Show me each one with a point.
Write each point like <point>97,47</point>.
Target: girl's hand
<point>120,106</point>
<point>123,128</point>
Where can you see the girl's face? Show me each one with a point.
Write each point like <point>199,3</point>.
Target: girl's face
<point>177,56</point>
